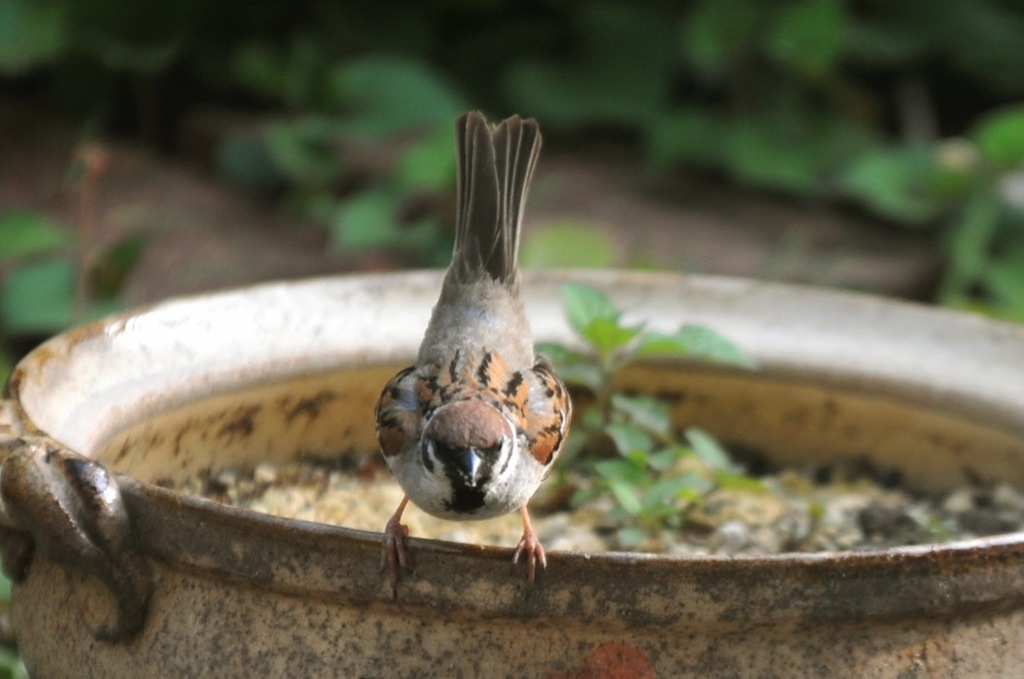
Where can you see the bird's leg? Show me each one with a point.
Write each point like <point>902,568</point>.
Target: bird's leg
<point>531,546</point>
<point>393,554</point>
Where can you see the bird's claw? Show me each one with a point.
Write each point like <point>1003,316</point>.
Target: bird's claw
<point>393,554</point>
<point>530,545</point>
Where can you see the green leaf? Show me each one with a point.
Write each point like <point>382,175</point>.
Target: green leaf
<point>429,164</point>
<point>567,243</point>
<point>693,340</point>
<point>306,150</point>
<point>305,74</point>
<point>131,36</point>
<point>708,345</point>
<point>31,33</point>
<point>762,154</point>
<point>638,458</point>
<point>1005,278</point>
<point>584,495</point>
<point>385,95</point>
<point>36,298</point>
<point>626,496</point>
<point>366,220</point>
<point>10,665</point>
<point>572,366</point>
<point>707,448</point>
<point>980,39</point>
<point>880,44</point>
<point>584,374</point>
<point>970,241</point>
<point>663,460</point>
<point>621,470</point>
<point>629,438</point>
<point>24,234</point>
<point>791,146</point>
<point>293,77</point>
<point>894,182</point>
<point>807,35</point>
<point>1000,136</point>
<point>592,419</point>
<point>557,353</point>
<point>647,412</point>
<point>655,343</point>
<point>114,265</point>
<point>670,489</point>
<point>748,484</point>
<point>658,510</point>
<point>719,34</point>
<point>260,68</point>
<point>584,305</point>
<point>619,69</point>
<point>607,335</point>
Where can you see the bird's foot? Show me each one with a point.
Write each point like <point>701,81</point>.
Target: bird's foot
<point>393,554</point>
<point>530,545</point>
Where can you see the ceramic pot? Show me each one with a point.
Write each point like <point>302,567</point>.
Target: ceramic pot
<point>116,576</point>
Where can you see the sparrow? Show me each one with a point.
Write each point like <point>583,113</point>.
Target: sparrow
<point>472,428</point>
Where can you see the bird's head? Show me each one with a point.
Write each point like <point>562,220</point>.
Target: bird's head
<point>469,443</point>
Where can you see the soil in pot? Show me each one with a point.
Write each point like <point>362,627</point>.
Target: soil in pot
<point>844,507</point>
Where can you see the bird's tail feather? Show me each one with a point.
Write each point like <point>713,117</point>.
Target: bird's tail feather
<point>495,166</point>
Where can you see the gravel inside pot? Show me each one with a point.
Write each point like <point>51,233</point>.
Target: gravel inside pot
<point>799,510</point>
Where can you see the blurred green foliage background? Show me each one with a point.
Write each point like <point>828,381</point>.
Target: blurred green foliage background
<point>909,110</point>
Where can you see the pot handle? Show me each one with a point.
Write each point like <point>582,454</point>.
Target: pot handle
<point>70,509</point>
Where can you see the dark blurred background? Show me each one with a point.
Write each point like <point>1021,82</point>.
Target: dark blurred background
<point>156,148</point>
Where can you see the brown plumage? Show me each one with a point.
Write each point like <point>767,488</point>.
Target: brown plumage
<point>472,428</point>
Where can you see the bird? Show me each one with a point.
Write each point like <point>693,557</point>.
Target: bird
<point>473,427</point>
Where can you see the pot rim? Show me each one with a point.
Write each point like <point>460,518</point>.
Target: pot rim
<point>805,588</point>
<point>932,356</point>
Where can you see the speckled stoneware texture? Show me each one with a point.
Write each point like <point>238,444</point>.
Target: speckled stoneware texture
<point>116,577</point>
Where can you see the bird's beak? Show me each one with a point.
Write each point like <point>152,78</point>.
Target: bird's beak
<point>471,464</point>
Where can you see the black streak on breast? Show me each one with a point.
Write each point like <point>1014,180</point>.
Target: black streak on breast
<point>465,499</point>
